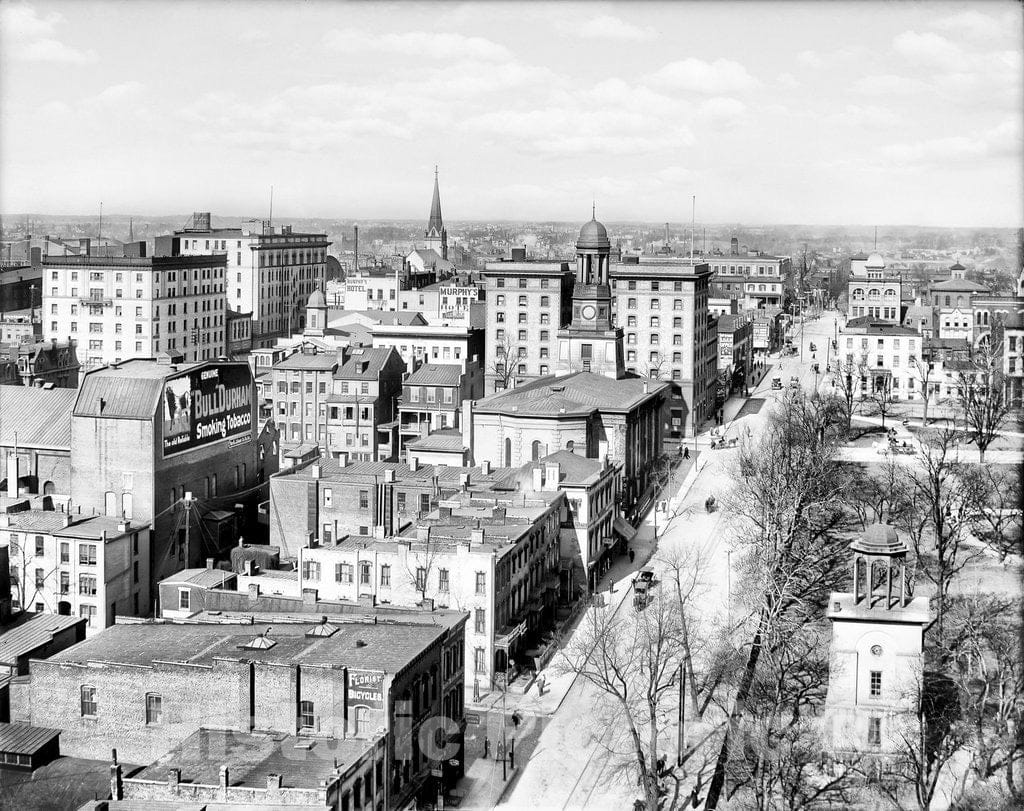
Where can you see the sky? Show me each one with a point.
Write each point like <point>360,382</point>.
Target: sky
<point>846,113</point>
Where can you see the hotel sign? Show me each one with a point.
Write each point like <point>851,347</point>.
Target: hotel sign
<point>366,688</point>
<point>206,405</point>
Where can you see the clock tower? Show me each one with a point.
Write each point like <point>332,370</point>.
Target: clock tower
<point>591,343</point>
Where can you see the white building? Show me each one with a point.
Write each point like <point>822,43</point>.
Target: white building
<point>95,567</point>
<point>877,647</point>
<point>269,272</point>
<point>117,308</point>
<point>884,355</point>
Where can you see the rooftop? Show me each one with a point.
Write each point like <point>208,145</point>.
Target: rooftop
<point>576,394</point>
<point>66,782</point>
<point>251,757</point>
<point>25,739</point>
<point>29,632</point>
<point>40,417</point>
<point>449,440</point>
<point>97,527</point>
<point>957,285</point>
<point>869,325</point>
<point>435,374</point>
<point>364,364</point>
<point>385,647</point>
<point>207,578</point>
<point>129,390</point>
<point>309,361</point>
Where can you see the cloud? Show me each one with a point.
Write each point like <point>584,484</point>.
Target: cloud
<point>1002,140</point>
<point>927,49</point>
<point>698,76</point>
<point>118,93</point>
<point>608,27</point>
<point>417,45</point>
<point>721,110</point>
<point>980,26</point>
<point>31,38</point>
<point>818,59</point>
<point>787,81</point>
<point>888,84</point>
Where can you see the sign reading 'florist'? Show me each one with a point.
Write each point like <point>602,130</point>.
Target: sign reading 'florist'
<point>206,405</point>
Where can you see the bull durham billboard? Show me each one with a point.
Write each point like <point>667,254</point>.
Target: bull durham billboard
<point>206,405</point>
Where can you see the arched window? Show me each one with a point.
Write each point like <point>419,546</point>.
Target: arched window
<point>947,301</point>
<point>873,294</point>
<point>858,292</point>
<point>126,505</point>
<point>890,292</point>
<point>508,453</point>
<point>959,301</point>
<point>986,317</point>
<point>570,446</point>
<point>110,504</point>
<point>535,450</point>
<point>49,489</point>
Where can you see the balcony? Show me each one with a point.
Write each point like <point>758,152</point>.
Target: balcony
<point>96,302</point>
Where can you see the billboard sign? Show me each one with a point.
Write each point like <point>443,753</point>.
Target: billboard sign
<point>366,688</point>
<point>206,405</point>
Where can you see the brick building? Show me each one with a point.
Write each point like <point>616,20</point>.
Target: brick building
<point>756,279</point>
<point>175,445</point>
<point>361,405</point>
<point>874,291</point>
<point>432,398</point>
<point>145,688</point>
<point>36,430</point>
<point>270,272</point>
<point>735,350</point>
<point>42,363</point>
<point>527,303</point>
<point>662,304</point>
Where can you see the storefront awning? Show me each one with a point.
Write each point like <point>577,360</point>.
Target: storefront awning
<point>623,529</point>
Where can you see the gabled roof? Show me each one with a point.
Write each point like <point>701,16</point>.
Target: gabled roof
<point>309,361</point>
<point>31,632</point>
<point>364,364</point>
<point>435,374</point>
<point>954,285</point>
<point>447,440</point>
<point>129,390</point>
<point>572,468</point>
<point>40,417</point>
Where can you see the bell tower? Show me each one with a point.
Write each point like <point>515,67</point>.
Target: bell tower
<point>591,343</point>
<point>877,660</point>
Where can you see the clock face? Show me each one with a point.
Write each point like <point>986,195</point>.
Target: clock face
<point>588,312</point>
<point>876,650</point>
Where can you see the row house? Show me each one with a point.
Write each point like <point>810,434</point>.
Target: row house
<point>361,407</point>
<point>432,398</point>
<point>755,278</point>
<point>95,567</point>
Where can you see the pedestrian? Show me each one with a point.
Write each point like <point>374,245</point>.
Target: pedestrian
<point>686,453</point>
<point>487,748</point>
<point>632,555</point>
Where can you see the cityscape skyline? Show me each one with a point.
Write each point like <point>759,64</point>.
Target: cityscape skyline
<point>851,135</point>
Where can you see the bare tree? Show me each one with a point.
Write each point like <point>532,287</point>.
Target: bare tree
<point>925,374</point>
<point>880,493</point>
<point>423,553</point>
<point>881,399</point>
<point>981,396</point>
<point>846,380</point>
<point>633,661</point>
<point>995,499</point>
<point>503,364</point>
<point>657,366</point>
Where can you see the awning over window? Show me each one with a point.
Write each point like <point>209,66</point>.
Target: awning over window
<point>623,529</point>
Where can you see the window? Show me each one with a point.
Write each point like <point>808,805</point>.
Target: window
<point>522,335</point>
<point>87,611</point>
<point>522,301</point>
<point>86,584</point>
<point>184,599</point>
<point>677,304</point>
<point>480,621</point>
<point>385,575</point>
<point>306,718</point>
<point>65,583</point>
<point>88,699</point>
<point>631,303</point>
<point>328,496</point>
<point>876,683</point>
<point>424,502</point>
<point>499,300</point>
<point>655,286</point>
<point>87,555</point>
<point>40,546</point>
<point>545,301</point>
<point>154,709</point>
<point>655,304</point>
<point>481,582</point>
<point>479,660</point>
<point>365,574</point>
<point>442,580</point>
<point>874,731</point>
<point>310,570</point>
<point>655,321</point>
<point>364,499</point>
<point>421,578</point>
<point>631,321</point>
<point>522,283</point>
<point>523,318</point>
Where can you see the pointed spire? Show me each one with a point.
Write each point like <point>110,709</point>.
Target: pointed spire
<point>435,224</point>
<point>593,209</point>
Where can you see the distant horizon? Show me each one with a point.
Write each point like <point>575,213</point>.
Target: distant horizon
<point>14,217</point>
<point>843,112</point>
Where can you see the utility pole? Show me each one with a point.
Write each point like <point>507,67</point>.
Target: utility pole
<point>188,520</point>
<point>681,736</point>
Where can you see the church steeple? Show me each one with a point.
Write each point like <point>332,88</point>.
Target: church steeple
<point>436,235</point>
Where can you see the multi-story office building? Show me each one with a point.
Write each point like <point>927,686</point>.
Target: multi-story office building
<point>758,280</point>
<point>527,303</point>
<point>116,308</point>
<point>662,306</point>
<point>94,567</point>
<point>270,272</point>
<point>874,291</point>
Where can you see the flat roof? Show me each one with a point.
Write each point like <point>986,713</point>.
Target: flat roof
<point>250,757</point>
<point>576,394</point>
<point>97,527</point>
<point>387,647</point>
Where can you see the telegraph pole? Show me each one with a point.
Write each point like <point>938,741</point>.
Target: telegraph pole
<point>188,516</point>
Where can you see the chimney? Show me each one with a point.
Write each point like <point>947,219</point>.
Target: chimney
<point>645,385</point>
<point>173,778</point>
<point>602,449</point>
<point>309,596</point>
<point>355,259</point>
<point>124,526</point>
<point>485,467</point>
<point>538,478</point>
<point>389,475</point>
<point>464,481</point>
<point>498,513</point>
<point>343,459</point>
<point>12,474</point>
<point>254,591</point>
<point>273,782</point>
<point>116,783</point>
<point>414,463</point>
<point>444,510</point>
<point>209,563</point>
<point>552,473</point>
<point>315,471</point>
<point>422,533</point>
<point>476,536</point>
<point>225,778</point>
